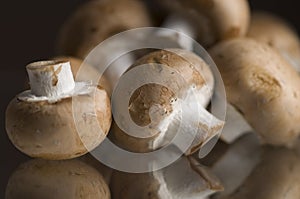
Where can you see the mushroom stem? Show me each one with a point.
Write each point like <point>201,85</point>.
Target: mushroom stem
<point>50,78</point>
<point>235,125</point>
<point>182,25</point>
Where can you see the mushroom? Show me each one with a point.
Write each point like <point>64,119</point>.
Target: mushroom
<point>42,122</point>
<point>97,20</point>
<point>276,176</point>
<point>185,178</point>
<point>46,179</point>
<point>277,33</point>
<point>262,86</point>
<point>209,21</point>
<point>156,107</point>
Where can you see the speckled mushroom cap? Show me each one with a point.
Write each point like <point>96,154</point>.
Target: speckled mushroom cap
<point>277,33</point>
<point>216,19</point>
<point>263,86</point>
<point>191,68</point>
<point>97,20</point>
<point>47,130</point>
<point>195,72</point>
<point>56,179</point>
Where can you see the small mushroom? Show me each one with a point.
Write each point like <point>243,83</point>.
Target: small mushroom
<point>185,178</point>
<point>276,176</point>
<point>41,122</point>
<point>277,33</point>
<point>46,179</point>
<point>97,20</point>
<point>157,106</point>
<point>262,86</point>
<point>209,21</point>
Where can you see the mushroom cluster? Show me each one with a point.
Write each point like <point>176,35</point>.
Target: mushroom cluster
<point>68,111</point>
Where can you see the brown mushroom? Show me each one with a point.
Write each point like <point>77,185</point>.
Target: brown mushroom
<point>42,122</point>
<point>262,86</point>
<point>155,106</point>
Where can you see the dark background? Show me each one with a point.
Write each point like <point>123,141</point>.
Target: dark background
<point>28,31</point>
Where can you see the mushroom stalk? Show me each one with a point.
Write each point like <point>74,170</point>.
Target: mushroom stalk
<point>235,125</point>
<point>50,78</point>
<point>182,25</point>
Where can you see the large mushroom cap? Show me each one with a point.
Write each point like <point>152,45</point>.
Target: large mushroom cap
<point>97,20</point>
<point>277,33</point>
<point>47,130</point>
<point>262,86</point>
<point>38,179</point>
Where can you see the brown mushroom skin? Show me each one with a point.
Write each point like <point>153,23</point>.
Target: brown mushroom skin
<point>191,67</point>
<point>95,21</point>
<point>38,179</point>
<point>276,176</point>
<point>277,33</point>
<point>262,86</point>
<point>47,130</point>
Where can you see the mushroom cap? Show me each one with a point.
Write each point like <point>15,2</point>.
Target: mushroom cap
<point>95,21</point>
<point>263,86</point>
<point>196,74</point>
<point>192,69</point>
<point>277,33</point>
<point>38,178</point>
<point>276,176</point>
<point>47,130</point>
<point>216,20</point>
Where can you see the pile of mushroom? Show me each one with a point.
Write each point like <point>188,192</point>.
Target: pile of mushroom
<point>258,58</point>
